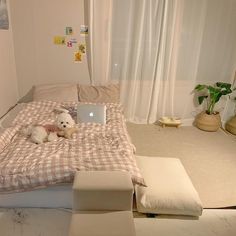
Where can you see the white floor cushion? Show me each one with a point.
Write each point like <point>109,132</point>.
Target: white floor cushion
<point>169,189</point>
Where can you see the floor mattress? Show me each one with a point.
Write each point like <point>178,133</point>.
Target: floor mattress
<point>52,197</point>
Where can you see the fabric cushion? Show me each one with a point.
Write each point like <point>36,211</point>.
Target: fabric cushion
<point>102,190</point>
<point>109,93</point>
<point>169,189</point>
<point>56,92</point>
<point>6,121</point>
<point>100,223</point>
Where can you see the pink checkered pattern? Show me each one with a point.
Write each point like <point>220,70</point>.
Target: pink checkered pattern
<point>26,166</point>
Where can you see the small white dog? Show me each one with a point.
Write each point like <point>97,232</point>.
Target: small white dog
<point>47,133</point>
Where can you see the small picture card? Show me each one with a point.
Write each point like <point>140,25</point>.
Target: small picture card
<point>59,40</point>
<point>69,30</point>
<point>77,57</point>
<point>73,40</point>
<point>4,21</point>
<point>69,44</point>
<point>83,30</point>
<point>82,48</point>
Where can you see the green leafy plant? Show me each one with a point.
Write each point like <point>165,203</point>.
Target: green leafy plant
<point>213,94</point>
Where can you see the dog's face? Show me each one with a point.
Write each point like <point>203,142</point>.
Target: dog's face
<point>65,121</point>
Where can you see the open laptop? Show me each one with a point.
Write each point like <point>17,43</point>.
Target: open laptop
<point>91,113</point>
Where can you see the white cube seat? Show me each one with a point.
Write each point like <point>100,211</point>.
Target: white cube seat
<point>102,191</point>
<point>109,223</point>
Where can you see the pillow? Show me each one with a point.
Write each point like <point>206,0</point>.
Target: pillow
<point>7,120</point>
<point>99,94</point>
<point>56,92</point>
<point>169,189</point>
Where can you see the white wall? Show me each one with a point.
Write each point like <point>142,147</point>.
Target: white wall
<point>38,60</point>
<point>8,80</point>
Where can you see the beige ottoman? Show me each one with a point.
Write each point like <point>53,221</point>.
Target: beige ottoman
<point>102,204</point>
<point>110,223</point>
<point>102,191</point>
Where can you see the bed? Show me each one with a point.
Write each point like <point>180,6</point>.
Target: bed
<point>46,197</point>
<point>35,175</point>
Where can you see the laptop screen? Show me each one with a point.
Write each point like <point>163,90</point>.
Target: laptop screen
<point>91,113</point>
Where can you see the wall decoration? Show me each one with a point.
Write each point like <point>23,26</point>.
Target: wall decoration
<point>69,44</point>
<point>59,40</point>
<point>82,48</point>
<point>69,30</point>
<point>73,40</point>
<point>83,30</point>
<point>77,57</point>
<point>4,22</point>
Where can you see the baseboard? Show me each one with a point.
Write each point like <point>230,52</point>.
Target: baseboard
<point>187,122</point>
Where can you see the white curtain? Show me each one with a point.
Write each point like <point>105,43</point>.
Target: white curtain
<point>143,56</point>
<point>158,50</point>
<point>98,18</point>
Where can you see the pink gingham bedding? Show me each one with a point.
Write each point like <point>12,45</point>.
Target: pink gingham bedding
<point>26,166</point>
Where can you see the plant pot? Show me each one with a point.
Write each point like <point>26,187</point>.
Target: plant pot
<point>231,126</point>
<point>207,122</point>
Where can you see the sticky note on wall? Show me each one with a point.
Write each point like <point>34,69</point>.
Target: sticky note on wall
<point>69,30</point>
<point>59,40</point>
<point>77,57</point>
<point>83,30</point>
<point>82,48</point>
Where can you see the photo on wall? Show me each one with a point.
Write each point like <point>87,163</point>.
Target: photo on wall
<point>4,22</point>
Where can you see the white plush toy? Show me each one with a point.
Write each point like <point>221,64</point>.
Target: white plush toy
<point>64,127</point>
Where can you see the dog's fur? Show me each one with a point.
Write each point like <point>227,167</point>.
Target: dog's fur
<point>64,127</point>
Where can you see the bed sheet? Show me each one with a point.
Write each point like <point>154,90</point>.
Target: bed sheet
<point>25,166</point>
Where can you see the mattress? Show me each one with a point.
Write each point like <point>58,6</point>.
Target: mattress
<point>6,121</point>
<point>46,197</point>
<point>51,197</point>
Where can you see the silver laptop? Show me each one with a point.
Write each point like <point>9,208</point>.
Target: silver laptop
<point>91,113</point>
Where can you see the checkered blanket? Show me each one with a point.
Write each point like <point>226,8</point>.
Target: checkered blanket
<point>26,166</point>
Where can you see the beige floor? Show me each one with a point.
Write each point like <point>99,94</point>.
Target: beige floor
<point>48,222</point>
<point>209,152</point>
<point>208,157</point>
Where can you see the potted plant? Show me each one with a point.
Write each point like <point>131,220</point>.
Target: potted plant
<point>231,124</point>
<point>209,120</point>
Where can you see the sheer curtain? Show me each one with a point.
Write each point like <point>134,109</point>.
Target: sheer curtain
<point>158,50</point>
<point>143,56</point>
<point>98,18</point>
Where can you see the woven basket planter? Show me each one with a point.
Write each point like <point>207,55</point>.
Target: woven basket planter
<point>231,126</point>
<point>208,122</point>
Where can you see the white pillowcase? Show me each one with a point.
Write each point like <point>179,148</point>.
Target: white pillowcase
<point>169,189</point>
<point>56,92</point>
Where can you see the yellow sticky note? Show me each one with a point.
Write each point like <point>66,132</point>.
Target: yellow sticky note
<point>82,48</point>
<point>59,40</point>
<point>77,57</point>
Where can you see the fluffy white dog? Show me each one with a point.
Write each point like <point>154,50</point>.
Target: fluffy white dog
<point>64,127</point>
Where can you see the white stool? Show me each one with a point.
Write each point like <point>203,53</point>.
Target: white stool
<point>102,204</point>
<point>100,223</point>
<point>102,191</point>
